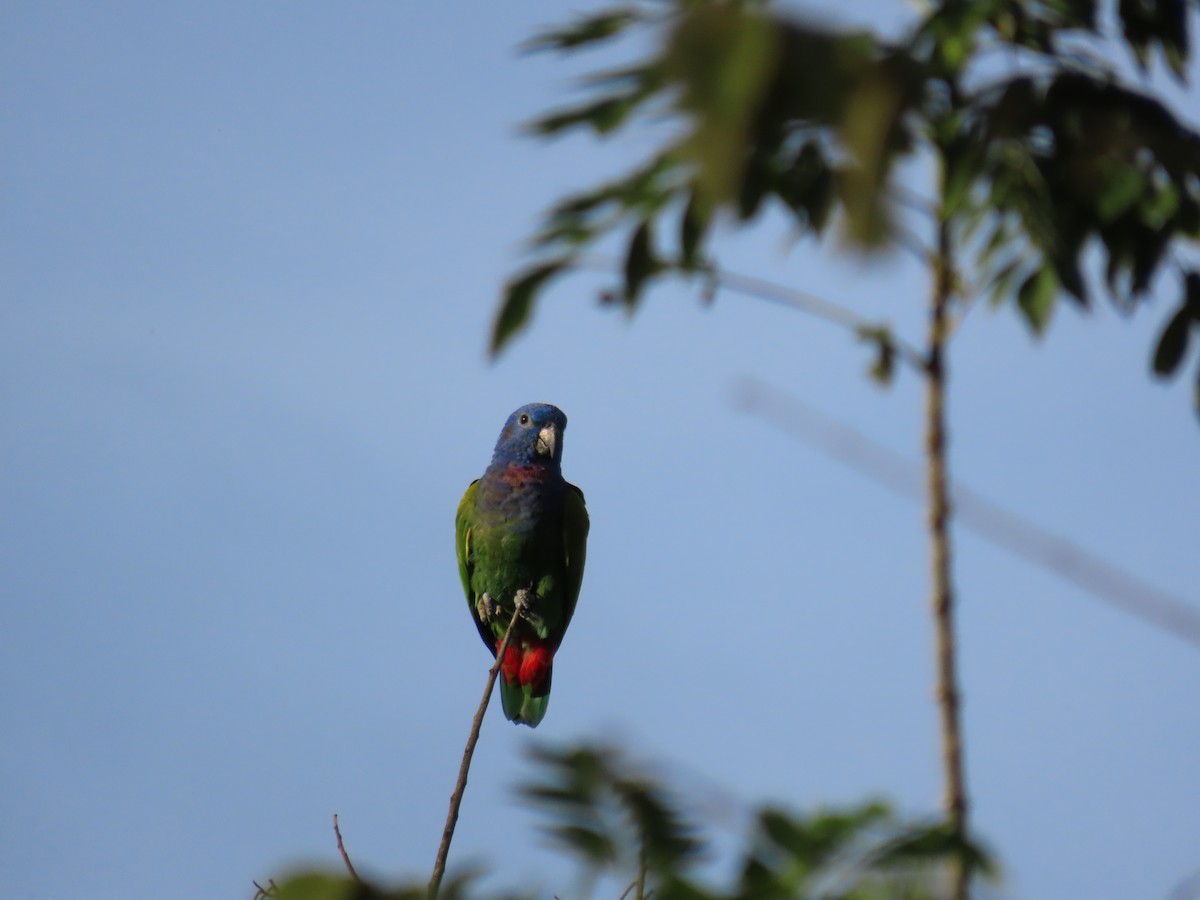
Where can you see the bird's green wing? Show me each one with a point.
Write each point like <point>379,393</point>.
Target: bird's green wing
<point>463,523</point>
<point>575,532</point>
<point>462,541</point>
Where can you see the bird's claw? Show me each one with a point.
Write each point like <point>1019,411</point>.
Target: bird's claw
<point>486,608</point>
<point>522,602</point>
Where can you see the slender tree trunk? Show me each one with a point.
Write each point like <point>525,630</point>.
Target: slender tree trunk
<point>948,697</point>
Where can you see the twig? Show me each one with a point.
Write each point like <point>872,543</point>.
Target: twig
<point>269,891</point>
<point>906,240</point>
<point>342,850</point>
<point>995,524</point>
<point>815,306</point>
<point>761,289</point>
<point>917,202</point>
<point>439,865</point>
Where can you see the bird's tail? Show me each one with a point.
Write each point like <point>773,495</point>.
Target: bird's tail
<point>525,682</point>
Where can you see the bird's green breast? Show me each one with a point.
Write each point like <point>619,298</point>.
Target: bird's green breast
<point>517,543</point>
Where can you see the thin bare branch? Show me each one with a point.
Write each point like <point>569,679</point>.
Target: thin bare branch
<point>816,306</point>
<point>641,873</point>
<point>439,865</point>
<point>914,200</point>
<point>761,289</point>
<point>907,240</point>
<point>995,524</point>
<point>342,850</point>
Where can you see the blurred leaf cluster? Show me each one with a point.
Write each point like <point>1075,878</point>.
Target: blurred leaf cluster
<point>318,885</point>
<point>1060,173</point>
<point>612,818</point>
<point>608,815</point>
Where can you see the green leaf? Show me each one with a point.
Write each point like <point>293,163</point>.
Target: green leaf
<point>1172,344</point>
<point>1158,206</point>
<point>591,844</point>
<point>960,176</point>
<point>883,370</point>
<point>608,815</point>
<point>693,226</point>
<point>517,303</point>
<point>317,886</point>
<point>780,827</point>
<point>1176,58</point>
<point>1149,247</point>
<point>1173,36</point>
<point>807,187</point>
<point>873,129</point>
<point>1196,393</point>
<point>667,840</point>
<point>604,116</point>
<point>999,239</point>
<point>817,839</point>
<point>1036,298</point>
<point>1191,294</point>
<point>1070,276</point>
<point>937,842</point>
<point>586,30</point>
<point>1122,190</point>
<point>640,263</point>
<point>619,94</point>
<point>723,58</point>
<point>324,886</point>
<point>756,182</point>
<point>1003,280</point>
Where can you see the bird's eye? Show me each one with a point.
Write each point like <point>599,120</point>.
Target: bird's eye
<point>524,420</point>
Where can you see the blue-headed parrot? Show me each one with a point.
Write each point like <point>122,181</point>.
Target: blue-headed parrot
<point>521,536</point>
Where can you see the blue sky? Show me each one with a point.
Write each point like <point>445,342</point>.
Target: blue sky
<point>250,254</point>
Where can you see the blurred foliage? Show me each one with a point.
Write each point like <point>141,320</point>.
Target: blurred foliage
<point>613,818</point>
<point>317,885</point>
<point>607,815</point>
<point>1058,173</point>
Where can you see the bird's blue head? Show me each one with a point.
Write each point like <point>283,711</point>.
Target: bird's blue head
<point>533,435</point>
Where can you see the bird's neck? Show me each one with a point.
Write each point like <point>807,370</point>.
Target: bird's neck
<point>517,473</point>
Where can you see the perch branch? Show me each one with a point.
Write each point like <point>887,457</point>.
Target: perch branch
<point>439,865</point>
<point>342,850</point>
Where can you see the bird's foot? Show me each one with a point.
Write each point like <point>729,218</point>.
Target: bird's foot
<point>486,608</point>
<point>523,602</point>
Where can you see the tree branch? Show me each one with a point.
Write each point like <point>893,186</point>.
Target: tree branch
<point>1001,527</point>
<point>815,306</point>
<point>342,850</point>
<point>761,289</point>
<point>439,865</point>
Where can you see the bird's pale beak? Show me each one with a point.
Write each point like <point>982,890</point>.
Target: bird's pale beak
<point>547,442</point>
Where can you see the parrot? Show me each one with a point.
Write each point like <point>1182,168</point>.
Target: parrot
<point>521,540</point>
